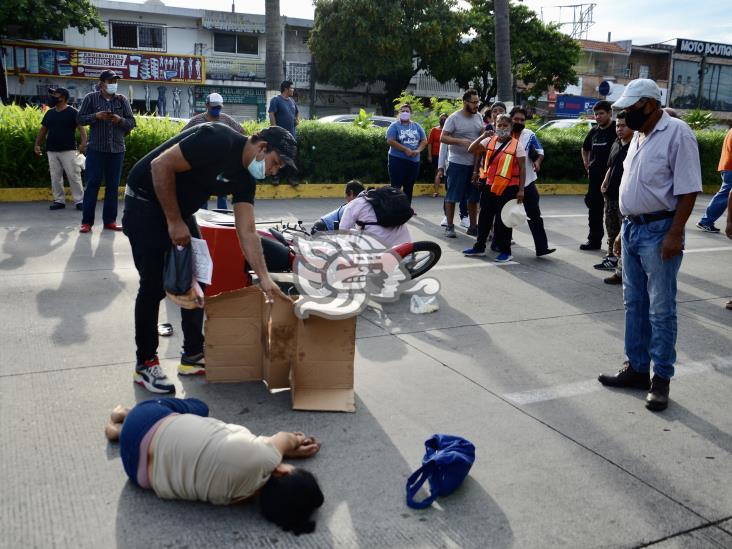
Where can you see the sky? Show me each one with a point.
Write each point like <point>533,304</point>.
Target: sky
<point>643,21</point>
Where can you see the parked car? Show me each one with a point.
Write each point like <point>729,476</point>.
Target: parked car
<point>382,121</point>
<point>565,123</point>
<point>163,118</point>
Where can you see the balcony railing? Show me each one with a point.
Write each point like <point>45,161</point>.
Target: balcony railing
<point>299,73</point>
<point>428,86</point>
<point>227,68</point>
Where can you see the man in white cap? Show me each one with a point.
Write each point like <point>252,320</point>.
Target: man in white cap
<point>661,179</point>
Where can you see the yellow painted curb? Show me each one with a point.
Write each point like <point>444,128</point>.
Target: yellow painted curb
<point>305,190</point>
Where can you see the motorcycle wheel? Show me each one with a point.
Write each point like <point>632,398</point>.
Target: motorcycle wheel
<point>424,256</point>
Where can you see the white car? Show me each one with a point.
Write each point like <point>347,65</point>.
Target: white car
<point>565,123</point>
<point>381,121</point>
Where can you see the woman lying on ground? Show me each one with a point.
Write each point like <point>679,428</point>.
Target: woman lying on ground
<point>171,446</point>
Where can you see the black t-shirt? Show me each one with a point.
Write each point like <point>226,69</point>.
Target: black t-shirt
<point>214,152</point>
<point>598,142</point>
<point>61,126</point>
<point>615,161</point>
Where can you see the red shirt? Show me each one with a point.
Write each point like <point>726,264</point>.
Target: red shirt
<point>433,140</point>
<point>725,161</point>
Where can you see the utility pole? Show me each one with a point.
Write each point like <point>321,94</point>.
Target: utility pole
<point>503,51</point>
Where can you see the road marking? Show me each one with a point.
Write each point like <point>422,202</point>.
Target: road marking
<point>559,216</point>
<point>586,387</point>
<point>702,250</point>
<point>473,264</point>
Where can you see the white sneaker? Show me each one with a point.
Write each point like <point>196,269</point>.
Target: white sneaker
<point>465,222</point>
<point>443,223</point>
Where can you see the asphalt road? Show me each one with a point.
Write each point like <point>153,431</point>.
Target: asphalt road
<point>509,362</point>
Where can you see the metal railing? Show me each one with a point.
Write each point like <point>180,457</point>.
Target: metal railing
<point>298,72</point>
<point>428,86</point>
<point>228,68</point>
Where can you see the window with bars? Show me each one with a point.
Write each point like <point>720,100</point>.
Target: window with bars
<point>137,36</point>
<point>247,44</point>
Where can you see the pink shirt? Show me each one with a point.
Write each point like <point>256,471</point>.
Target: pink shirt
<point>359,209</point>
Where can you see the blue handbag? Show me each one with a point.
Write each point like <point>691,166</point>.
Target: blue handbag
<point>446,463</point>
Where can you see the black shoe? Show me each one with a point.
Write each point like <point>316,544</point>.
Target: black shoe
<point>626,377</point>
<point>57,206</point>
<point>79,206</point>
<point>546,252</point>
<point>657,398</point>
<point>589,245</point>
<point>472,231</point>
<point>613,279</point>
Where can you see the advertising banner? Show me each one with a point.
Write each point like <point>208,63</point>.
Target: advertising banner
<point>31,59</point>
<point>697,47</point>
<point>572,106</point>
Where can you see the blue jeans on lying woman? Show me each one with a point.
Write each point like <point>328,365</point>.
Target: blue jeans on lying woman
<point>141,419</point>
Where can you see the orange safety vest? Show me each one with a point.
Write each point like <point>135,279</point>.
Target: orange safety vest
<point>498,174</point>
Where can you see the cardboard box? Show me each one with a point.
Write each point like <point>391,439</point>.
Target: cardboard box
<point>250,340</point>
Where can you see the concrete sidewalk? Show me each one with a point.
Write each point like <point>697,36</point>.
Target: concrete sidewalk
<point>509,362</point>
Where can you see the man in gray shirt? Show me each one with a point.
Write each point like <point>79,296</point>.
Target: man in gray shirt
<point>661,179</point>
<point>461,129</point>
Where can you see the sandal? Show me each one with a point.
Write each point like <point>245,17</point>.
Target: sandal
<point>728,306</point>
<point>165,329</point>
<point>435,195</point>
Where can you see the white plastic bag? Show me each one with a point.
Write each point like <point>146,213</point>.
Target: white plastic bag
<point>423,304</point>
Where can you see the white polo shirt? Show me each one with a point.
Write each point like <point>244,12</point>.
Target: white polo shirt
<point>660,168</point>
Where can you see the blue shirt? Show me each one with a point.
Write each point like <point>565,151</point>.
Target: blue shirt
<point>331,218</point>
<point>285,112</point>
<point>408,135</point>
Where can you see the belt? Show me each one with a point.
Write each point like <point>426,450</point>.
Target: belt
<point>649,218</point>
<point>132,194</point>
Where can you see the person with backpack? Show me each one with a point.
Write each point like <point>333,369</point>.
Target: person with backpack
<point>382,213</point>
<point>331,221</point>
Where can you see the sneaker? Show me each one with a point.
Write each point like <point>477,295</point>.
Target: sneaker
<point>546,252</point>
<point>503,257</point>
<point>79,206</point>
<point>474,252</point>
<point>613,279</point>
<point>85,228</point>
<point>465,222</point>
<point>61,206</point>
<point>590,246</point>
<point>626,377</point>
<point>193,365</point>
<point>443,223</point>
<point>473,231</point>
<point>450,231</point>
<point>609,263</point>
<point>707,228</point>
<point>112,226</point>
<point>151,376</point>
<point>657,398</point>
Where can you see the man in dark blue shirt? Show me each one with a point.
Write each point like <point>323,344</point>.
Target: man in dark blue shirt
<point>164,190</point>
<point>283,110</point>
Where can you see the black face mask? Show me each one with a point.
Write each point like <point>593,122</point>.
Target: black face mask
<point>52,101</point>
<point>635,119</point>
<point>518,128</point>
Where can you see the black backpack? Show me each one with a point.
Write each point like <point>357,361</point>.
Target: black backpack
<point>391,207</point>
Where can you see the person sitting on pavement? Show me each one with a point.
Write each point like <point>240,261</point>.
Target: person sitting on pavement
<point>164,190</point>
<point>359,214</point>
<point>331,221</point>
<point>503,174</point>
<point>172,447</point>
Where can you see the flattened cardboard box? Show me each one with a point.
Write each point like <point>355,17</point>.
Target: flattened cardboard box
<point>250,340</point>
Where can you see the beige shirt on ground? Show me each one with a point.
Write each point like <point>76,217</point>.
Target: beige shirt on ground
<point>205,459</point>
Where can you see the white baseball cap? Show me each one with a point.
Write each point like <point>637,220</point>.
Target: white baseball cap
<point>636,90</point>
<point>214,100</point>
<point>513,214</point>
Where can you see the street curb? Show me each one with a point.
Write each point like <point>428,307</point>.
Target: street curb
<point>305,190</point>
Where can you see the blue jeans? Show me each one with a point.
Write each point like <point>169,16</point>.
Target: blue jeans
<point>142,417</point>
<point>403,173</point>
<point>718,203</point>
<point>220,203</point>
<point>107,166</point>
<point>649,294</point>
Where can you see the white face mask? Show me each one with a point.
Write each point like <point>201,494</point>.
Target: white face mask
<point>256,168</point>
<point>112,88</point>
<point>503,133</point>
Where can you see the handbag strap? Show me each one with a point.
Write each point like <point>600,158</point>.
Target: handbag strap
<point>415,482</point>
<point>495,154</point>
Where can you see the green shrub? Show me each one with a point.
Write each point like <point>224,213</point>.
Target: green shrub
<point>328,153</point>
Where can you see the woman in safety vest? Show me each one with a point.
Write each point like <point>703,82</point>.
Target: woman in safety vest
<point>501,178</point>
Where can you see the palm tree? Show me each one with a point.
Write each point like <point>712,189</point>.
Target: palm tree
<point>273,27</point>
<point>503,51</point>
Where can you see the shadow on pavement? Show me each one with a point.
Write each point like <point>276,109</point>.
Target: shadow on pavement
<point>22,244</point>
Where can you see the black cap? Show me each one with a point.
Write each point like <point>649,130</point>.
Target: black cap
<point>60,90</point>
<point>282,141</point>
<point>109,75</point>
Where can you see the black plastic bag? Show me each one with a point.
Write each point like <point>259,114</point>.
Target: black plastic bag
<point>178,270</point>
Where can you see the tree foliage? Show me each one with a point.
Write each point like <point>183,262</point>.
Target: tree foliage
<point>38,18</point>
<point>541,55</point>
<point>357,42</point>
